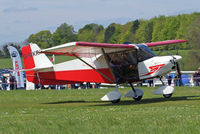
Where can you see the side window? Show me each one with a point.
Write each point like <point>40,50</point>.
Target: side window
<point>143,55</point>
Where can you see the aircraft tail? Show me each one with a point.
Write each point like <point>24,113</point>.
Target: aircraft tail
<point>34,61</point>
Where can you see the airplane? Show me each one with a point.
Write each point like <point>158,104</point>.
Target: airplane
<point>101,63</point>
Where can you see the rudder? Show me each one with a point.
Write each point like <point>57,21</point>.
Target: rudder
<point>34,60</point>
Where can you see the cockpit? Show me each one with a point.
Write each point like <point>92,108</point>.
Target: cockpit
<point>124,64</point>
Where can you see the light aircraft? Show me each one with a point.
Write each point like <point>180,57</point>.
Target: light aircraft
<point>101,63</point>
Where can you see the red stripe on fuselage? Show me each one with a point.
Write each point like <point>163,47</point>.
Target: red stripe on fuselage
<point>73,76</point>
<point>154,69</point>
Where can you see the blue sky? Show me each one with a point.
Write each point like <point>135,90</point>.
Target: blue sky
<point>21,18</point>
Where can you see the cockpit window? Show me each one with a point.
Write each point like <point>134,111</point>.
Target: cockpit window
<point>124,64</point>
<point>144,53</point>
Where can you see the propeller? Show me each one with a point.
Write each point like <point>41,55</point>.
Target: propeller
<point>178,70</point>
<point>177,67</point>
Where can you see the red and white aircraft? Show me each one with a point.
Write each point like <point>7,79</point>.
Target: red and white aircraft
<point>101,63</point>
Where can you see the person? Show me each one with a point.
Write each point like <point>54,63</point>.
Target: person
<point>169,79</point>
<point>196,76</point>
<point>88,85</point>
<point>97,85</point>
<point>176,81</point>
<point>3,82</point>
<point>72,86</point>
<point>150,81</point>
<point>12,82</point>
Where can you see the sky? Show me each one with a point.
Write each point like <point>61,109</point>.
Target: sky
<point>21,18</point>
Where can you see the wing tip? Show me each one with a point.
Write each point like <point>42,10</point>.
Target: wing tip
<point>166,42</point>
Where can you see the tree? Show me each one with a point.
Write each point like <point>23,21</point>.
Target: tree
<point>5,51</point>
<point>112,33</point>
<point>63,34</point>
<point>135,26</point>
<point>157,29</point>
<point>110,30</point>
<point>43,39</point>
<point>144,32</point>
<point>90,33</point>
<point>194,34</point>
<point>1,54</point>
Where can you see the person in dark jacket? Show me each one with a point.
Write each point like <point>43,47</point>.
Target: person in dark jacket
<point>12,82</point>
<point>169,79</point>
<point>3,82</point>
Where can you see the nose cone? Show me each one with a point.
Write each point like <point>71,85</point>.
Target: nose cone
<point>177,57</point>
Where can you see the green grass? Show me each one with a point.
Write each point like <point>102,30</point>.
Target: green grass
<point>5,63</point>
<point>81,111</point>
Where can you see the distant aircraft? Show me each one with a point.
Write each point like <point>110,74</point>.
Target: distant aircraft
<point>101,63</point>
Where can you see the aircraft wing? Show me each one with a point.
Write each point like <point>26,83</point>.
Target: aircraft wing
<point>86,49</point>
<point>90,49</point>
<point>153,44</point>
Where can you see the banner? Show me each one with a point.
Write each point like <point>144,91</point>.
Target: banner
<point>17,65</point>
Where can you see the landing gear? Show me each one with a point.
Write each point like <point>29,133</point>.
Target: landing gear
<point>167,95</point>
<point>135,93</point>
<point>115,101</point>
<point>113,96</point>
<point>138,98</point>
<point>166,91</point>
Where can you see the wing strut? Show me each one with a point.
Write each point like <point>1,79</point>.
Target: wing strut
<point>106,58</point>
<point>93,68</point>
<point>38,78</point>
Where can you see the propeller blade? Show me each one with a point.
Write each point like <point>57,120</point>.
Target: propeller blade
<point>179,73</point>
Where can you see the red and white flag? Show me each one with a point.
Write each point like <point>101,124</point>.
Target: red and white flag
<point>53,59</point>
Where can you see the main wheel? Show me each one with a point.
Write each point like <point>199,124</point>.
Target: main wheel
<point>167,95</point>
<point>138,98</point>
<point>115,101</point>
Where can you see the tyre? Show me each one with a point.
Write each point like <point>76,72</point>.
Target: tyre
<point>138,98</point>
<point>167,95</point>
<point>115,101</point>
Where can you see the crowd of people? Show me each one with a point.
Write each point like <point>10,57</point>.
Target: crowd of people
<point>177,81</point>
<point>7,82</point>
<point>85,85</point>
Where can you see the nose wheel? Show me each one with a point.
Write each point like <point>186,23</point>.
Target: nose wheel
<point>164,90</point>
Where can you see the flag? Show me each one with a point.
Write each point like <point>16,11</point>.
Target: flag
<point>17,65</point>
<point>53,59</point>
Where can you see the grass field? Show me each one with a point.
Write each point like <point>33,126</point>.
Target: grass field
<point>81,111</point>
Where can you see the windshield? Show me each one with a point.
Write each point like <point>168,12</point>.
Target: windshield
<point>144,52</point>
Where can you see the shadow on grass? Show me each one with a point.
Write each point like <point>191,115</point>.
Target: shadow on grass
<point>62,102</point>
<point>130,102</point>
<point>153,100</point>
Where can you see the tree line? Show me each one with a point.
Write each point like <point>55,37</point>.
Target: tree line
<point>138,31</point>
<point>184,26</point>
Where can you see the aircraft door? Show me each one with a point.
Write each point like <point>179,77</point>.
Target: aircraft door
<point>124,65</point>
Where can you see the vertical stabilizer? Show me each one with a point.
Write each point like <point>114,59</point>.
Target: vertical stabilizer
<point>40,59</point>
<point>34,60</point>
